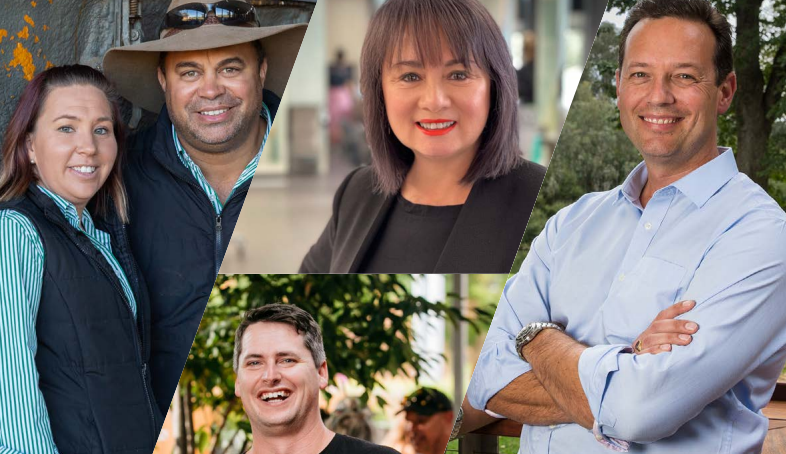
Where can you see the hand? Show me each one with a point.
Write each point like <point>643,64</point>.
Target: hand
<point>665,331</point>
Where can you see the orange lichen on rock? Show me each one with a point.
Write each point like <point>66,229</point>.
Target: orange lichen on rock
<point>33,3</point>
<point>49,65</point>
<point>3,34</point>
<point>35,39</point>
<point>29,20</point>
<point>23,58</point>
<point>44,28</point>
<point>25,33</point>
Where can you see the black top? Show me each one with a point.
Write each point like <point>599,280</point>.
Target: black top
<point>424,229</point>
<point>342,444</point>
<point>484,239</point>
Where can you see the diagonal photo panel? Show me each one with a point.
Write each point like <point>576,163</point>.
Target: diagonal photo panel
<point>659,236</point>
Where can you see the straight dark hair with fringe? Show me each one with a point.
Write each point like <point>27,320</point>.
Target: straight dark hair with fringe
<point>18,173</point>
<point>700,11</point>
<point>471,34</point>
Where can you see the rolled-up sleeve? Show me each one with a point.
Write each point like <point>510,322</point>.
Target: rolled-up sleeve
<point>524,300</point>
<point>740,292</point>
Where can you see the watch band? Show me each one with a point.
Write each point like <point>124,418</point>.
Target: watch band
<point>457,425</point>
<point>528,333</point>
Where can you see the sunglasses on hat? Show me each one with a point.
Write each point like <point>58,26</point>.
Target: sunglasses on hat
<point>193,15</point>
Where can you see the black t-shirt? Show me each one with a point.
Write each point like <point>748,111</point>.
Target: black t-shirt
<point>342,444</point>
<point>412,238</point>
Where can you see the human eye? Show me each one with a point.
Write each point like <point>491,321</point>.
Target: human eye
<point>230,70</point>
<point>459,75</point>
<point>102,130</point>
<point>191,74</point>
<point>638,75</point>
<point>66,129</point>
<point>686,77</point>
<point>410,77</point>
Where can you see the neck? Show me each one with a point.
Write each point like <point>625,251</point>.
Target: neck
<point>437,182</point>
<point>222,169</point>
<point>660,174</point>
<point>307,440</point>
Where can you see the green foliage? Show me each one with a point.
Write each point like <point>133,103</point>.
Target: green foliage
<point>365,321</point>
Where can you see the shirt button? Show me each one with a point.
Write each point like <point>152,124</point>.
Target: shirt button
<point>648,226</point>
<point>553,426</point>
<point>622,277</point>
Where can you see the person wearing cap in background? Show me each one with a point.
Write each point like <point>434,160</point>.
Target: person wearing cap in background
<point>216,76</point>
<point>430,416</point>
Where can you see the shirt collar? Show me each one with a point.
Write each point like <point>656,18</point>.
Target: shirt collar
<point>698,186</point>
<point>69,211</point>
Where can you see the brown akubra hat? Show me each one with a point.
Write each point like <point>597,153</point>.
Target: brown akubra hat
<point>133,68</point>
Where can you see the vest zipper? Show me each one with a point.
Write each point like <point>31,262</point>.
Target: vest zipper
<point>114,280</point>
<point>218,243</point>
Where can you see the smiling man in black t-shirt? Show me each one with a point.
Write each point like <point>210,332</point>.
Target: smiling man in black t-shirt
<point>280,364</point>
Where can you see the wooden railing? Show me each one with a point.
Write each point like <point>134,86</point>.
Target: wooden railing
<point>485,440</point>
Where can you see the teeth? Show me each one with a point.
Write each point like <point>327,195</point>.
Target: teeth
<point>213,112</point>
<point>275,395</point>
<point>660,121</point>
<point>433,126</point>
<point>84,169</point>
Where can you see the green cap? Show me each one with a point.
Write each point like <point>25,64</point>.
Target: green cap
<point>426,402</point>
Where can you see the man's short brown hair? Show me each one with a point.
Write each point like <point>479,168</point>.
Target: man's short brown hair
<point>700,11</point>
<point>288,314</point>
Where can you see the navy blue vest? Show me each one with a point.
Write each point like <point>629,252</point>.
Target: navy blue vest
<point>92,355</point>
<point>179,243</point>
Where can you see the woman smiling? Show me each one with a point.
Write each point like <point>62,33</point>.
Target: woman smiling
<point>73,342</point>
<point>448,190</point>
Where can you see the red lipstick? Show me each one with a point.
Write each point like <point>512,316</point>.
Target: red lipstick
<point>435,132</point>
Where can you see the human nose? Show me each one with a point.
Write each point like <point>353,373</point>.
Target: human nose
<point>86,142</point>
<point>435,96</point>
<point>271,374</point>
<point>211,86</point>
<point>661,92</point>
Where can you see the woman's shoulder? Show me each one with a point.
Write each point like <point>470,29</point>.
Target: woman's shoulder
<point>17,228</point>
<point>524,180</point>
<point>358,187</point>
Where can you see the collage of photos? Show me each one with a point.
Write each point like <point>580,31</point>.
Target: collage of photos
<point>393,227</point>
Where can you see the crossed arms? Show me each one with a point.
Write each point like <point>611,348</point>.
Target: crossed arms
<point>739,292</point>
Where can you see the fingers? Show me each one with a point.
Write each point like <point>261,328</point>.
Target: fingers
<point>674,310</point>
<point>672,326</point>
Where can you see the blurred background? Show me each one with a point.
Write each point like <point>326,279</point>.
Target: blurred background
<point>318,135</point>
<point>384,335</point>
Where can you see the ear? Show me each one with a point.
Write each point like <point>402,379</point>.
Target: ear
<point>617,84</point>
<point>161,79</point>
<point>263,72</point>
<point>29,147</point>
<point>726,92</point>
<point>237,393</point>
<point>322,370</point>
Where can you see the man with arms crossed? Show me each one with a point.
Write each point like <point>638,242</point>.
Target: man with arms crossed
<point>280,364</point>
<point>216,77</point>
<point>601,281</point>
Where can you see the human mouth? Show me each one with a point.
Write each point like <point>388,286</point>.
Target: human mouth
<point>84,170</point>
<point>277,396</point>
<point>661,120</point>
<point>436,127</point>
<point>212,113</point>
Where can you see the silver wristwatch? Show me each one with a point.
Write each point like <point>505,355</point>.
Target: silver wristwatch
<point>529,332</point>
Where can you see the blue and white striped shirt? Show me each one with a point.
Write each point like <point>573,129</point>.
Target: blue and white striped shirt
<point>24,421</point>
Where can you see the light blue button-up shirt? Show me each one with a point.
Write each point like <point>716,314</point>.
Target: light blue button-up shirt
<point>604,267</point>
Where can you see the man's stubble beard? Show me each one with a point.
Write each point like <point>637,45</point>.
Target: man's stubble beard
<point>204,143</point>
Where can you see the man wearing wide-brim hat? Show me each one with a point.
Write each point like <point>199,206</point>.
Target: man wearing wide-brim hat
<point>216,77</point>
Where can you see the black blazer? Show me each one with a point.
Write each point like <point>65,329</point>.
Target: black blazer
<point>485,238</point>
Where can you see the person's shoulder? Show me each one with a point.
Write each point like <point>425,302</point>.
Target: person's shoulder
<point>354,445</point>
<point>522,182</point>
<point>17,228</point>
<point>357,187</point>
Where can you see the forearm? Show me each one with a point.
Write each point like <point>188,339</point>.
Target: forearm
<point>525,400</point>
<point>554,358</point>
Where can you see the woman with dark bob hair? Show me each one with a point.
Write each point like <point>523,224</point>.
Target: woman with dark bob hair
<point>74,340</point>
<point>448,190</point>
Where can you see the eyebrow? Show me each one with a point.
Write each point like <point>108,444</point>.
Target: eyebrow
<point>72,117</point>
<point>418,64</point>
<point>640,64</point>
<point>277,355</point>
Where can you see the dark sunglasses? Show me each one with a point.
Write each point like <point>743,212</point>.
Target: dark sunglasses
<point>193,15</point>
